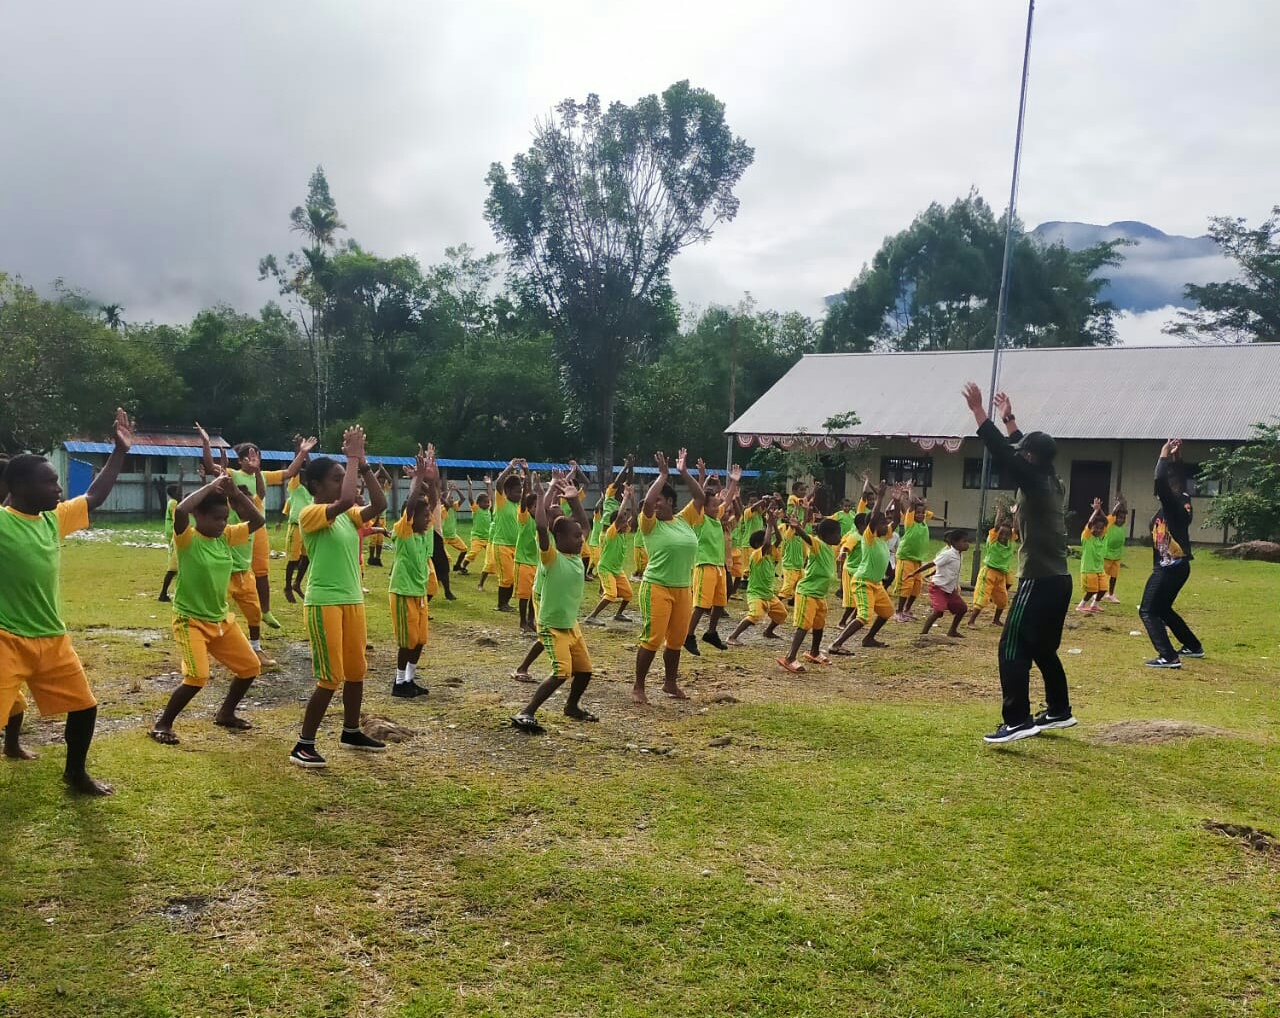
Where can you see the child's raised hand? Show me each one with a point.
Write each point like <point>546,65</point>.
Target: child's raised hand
<point>972,396</point>
<point>682,460</point>
<point>307,444</point>
<point>224,485</point>
<point>204,435</point>
<point>735,474</point>
<point>660,460</point>
<point>122,430</point>
<point>1097,503</point>
<point>353,443</point>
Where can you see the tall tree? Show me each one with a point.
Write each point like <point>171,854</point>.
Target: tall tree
<point>1247,309</point>
<point>111,316</point>
<point>935,286</point>
<point>302,282</point>
<point>592,216</point>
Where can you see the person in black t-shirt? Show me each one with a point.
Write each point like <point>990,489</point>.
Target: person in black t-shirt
<point>1171,562</point>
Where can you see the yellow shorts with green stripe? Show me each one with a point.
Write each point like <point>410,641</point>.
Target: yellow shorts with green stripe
<point>615,587</point>
<point>50,667</point>
<point>642,561</point>
<point>846,589</point>
<point>993,586</point>
<point>908,585</point>
<point>567,650</point>
<point>456,543</point>
<point>337,635</point>
<point>773,609</point>
<point>790,577</point>
<point>667,612</point>
<point>710,589</point>
<point>409,620</point>
<point>261,552</point>
<point>810,613</point>
<point>243,590</point>
<point>225,642</point>
<point>1111,567</point>
<point>293,541</point>
<point>870,599</point>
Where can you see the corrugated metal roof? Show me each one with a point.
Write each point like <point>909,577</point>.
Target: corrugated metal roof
<point>1206,393</point>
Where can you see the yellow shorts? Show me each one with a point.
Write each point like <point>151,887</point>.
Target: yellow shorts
<point>710,589</point>
<point>51,669</point>
<point>478,548</point>
<point>667,612</point>
<point>293,542</point>
<point>243,590</point>
<point>1112,567</point>
<point>456,543</point>
<point>594,551</point>
<point>503,564</point>
<point>567,650</point>
<point>173,558</point>
<point>810,613</point>
<point>337,634</point>
<point>615,587</point>
<point>525,575</point>
<point>433,585</point>
<point>993,586</point>
<point>909,586</point>
<point>790,577</point>
<point>846,589</point>
<point>736,568</point>
<point>224,641</point>
<point>1095,583</point>
<point>261,551</point>
<point>870,598</point>
<point>772,608</point>
<point>642,561</point>
<point>19,705</point>
<point>409,620</point>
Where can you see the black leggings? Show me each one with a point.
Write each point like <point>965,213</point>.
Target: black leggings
<point>1156,610</point>
<point>440,559</point>
<point>1032,635</point>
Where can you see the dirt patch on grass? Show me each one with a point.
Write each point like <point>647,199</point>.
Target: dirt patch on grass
<point>1259,841</point>
<point>1151,733</point>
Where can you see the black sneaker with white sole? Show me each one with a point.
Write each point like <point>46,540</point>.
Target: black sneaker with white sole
<point>305,755</point>
<point>1188,652</point>
<point>1163,662</point>
<point>1006,733</point>
<point>408,689</point>
<point>358,740</point>
<point>1046,721</point>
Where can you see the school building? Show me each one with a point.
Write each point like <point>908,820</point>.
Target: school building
<point>1110,410</point>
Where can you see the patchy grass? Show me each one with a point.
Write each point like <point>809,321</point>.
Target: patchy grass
<point>835,843</point>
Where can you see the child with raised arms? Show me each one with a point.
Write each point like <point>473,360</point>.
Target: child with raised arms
<point>295,570</point>
<point>615,588</point>
<point>203,627</point>
<point>410,573</point>
<point>762,579</point>
<point>527,553</point>
<point>710,578</point>
<point>944,584</point>
<point>1093,551</point>
<point>1113,542</point>
<point>812,592</point>
<point>174,492</point>
<point>868,582</point>
<point>334,605</point>
<point>999,556</point>
<point>913,544</point>
<point>504,533</point>
<point>35,647</point>
<point>450,527</point>
<point>481,523</point>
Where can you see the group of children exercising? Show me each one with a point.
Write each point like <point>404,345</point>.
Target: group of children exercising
<point>536,538</point>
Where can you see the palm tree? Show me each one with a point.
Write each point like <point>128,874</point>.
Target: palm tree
<point>111,315</point>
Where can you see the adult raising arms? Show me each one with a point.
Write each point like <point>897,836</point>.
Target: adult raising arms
<point>1171,562</point>
<point>1033,631</point>
<point>666,599</point>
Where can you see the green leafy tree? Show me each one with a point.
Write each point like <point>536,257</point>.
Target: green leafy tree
<point>592,216</point>
<point>1249,475</point>
<point>111,316</point>
<point>1247,309</point>
<point>935,286</point>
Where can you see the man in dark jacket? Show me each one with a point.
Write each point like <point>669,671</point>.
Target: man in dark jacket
<point>1171,562</point>
<point>1033,631</point>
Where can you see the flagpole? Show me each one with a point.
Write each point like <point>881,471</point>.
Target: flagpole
<point>1002,305</point>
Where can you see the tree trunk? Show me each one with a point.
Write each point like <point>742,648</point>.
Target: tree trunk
<point>604,457</point>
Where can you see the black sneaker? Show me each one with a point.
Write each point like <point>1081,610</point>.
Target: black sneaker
<point>691,645</point>
<point>408,689</point>
<point>1005,733</point>
<point>1188,652</point>
<point>358,740</point>
<point>1163,662</point>
<point>1045,721</point>
<point>306,756</point>
<point>714,640</point>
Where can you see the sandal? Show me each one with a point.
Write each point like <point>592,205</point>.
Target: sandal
<point>794,667</point>
<point>165,738</point>
<point>582,714</point>
<point>528,724</point>
<point>520,676</point>
<point>841,652</point>
<point>818,658</point>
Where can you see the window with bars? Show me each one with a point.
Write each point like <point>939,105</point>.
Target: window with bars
<point>973,476</point>
<point>900,469</point>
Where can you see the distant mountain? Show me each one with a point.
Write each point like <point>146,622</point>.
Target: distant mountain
<point>1156,266</point>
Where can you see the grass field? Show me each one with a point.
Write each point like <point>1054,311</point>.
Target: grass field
<point>838,843</point>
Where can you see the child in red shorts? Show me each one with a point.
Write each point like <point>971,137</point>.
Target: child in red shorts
<point>944,585</point>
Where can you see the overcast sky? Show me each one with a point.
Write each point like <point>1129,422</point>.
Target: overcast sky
<point>151,150</point>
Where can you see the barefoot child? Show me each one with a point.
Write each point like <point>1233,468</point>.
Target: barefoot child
<point>762,582</point>
<point>812,592</point>
<point>998,557</point>
<point>1113,541</point>
<point>35,647</point>
<point>944,585</point>
<point>334,606</point>
<point>563,582</point>
<point>203,627</point>
<point>1093,577</point>
<point>410,572</point>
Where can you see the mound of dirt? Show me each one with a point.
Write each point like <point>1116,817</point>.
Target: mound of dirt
<point>1149,733</point>
<point>1259,841</point>
<point>385,730</point>
<point>1255,551</point>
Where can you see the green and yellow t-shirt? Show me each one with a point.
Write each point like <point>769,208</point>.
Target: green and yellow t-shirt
<point>762,577</point>
<point>506,525</point>
<point>613,551</point>
<point>410,572</point>
<point>875,558</point>
<point>793,549</point>
<point>299,498</point>
<point>1114,538</point>
<point>710,539</point>
<point>30,562</point>
<point>913,546</point>
<point>333,546</point>
<point>852,544</point>
<point>999,556</point>
<point>449,528</point>
<point>204,568</point>
<point>672,545</point>
<point>170,508</point>
<point>526,540</point>
<point>820,570</point>
<point>243,478</point>
<point>481,523</point>
<point>1093,552</point>
<point>561,591</point>
<point>241,554</point>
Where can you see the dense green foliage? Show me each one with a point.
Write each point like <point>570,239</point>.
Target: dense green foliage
<point>1246,309</point>
<point>1250,479</point>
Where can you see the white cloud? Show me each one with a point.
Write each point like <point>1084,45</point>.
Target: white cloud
<point>1143,328</point>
